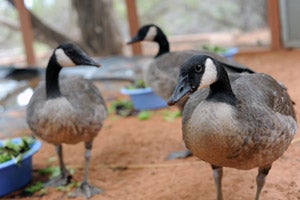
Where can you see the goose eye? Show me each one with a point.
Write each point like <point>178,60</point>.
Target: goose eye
<point>198,68</point>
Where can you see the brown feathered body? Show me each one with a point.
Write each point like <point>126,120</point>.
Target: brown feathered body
<point>254,133</point>
<point>76,116</point>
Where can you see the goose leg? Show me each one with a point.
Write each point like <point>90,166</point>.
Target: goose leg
<point>85,189</point>
<point>64,178</point>
<point>218,174</point>
<point>261,178</point>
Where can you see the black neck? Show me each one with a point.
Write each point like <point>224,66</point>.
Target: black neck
<point>163,43</point>
<point>221,90</point>
<point>52,85</point>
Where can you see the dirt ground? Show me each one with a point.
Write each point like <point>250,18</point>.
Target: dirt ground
<point>128,158</point>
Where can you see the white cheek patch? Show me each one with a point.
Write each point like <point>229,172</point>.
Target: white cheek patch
<point>63,59</point>
<point>151,34</point>
<point>210,74</point>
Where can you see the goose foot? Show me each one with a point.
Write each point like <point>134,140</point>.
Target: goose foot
<point>85,190</point>
<point>179,154</point>
<point>57,181</point>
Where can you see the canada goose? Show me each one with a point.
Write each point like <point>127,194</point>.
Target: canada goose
<point>241,121</point>
<point>68,110</point>
<point>161,75</point>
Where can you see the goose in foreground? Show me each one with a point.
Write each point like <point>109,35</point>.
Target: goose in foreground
<point>240,121</point>
<point>161,75</point>
<point>67,110</point>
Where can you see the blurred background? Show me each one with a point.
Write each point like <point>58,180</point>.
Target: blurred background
<point>266,33</point>
<point>31,29</point>
<point>102,27</point>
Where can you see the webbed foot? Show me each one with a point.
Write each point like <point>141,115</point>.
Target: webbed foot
<point>86,190</point>
<point>59,180</point>
<point>179,154</point>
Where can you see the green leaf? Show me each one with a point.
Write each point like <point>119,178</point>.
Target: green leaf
<point>144,115</point>
<point>52,171</point>
<point>18,159</point>
<point>122,107</point>
<point>214,49</point>
<point>71,171</point>
<point>52,159</point>
<point>139,83</point>
<point>9,145</point>
<point>69,187</point>
<point>34,188</point>
<point>10,150</point>
<point>4,157</point>
<point>170,116</point>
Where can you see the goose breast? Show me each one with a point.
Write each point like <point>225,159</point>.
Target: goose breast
<point>253,133</point>
<point>74,117</point>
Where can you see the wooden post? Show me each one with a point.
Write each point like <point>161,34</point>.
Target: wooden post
<point>274,24</point>
<point>133,25</point>
<point>26,29</point>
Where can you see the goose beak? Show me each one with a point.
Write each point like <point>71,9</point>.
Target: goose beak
<point>88,61</point>
<point>93,63</point>
<point>182,88</point>
<point>134,40</point>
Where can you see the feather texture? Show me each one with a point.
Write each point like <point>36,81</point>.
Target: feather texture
<point>253,133</point>
<point>74,117</point>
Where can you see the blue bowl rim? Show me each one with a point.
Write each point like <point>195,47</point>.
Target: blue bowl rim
<point>35,147</point>
<point>136,91</point>
<point>230,51</point>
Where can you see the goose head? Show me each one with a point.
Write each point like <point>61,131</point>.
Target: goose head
<point>152,33</point>
<point>197,72</point>
<point>65,55</point>
<point>68,54</point>
<point>146,33</point>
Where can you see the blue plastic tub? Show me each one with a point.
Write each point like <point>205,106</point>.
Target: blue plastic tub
<point>14,177</point>
<point>144,99</point>
<point>229,53</point>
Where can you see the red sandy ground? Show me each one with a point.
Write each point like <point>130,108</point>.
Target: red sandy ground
<point>141,146</point>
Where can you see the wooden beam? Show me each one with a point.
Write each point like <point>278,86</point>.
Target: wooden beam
<point>274,24</point>
<point>133,25</point>
<point>26,30</point>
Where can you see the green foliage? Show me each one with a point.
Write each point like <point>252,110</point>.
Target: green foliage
<point>144,115</point>
<point>10,150</point>
<point>122,107</point>
<point>68,187</point>
<point>37,187</point>
<point>53,171</point>
<point>214,49</point>
<point>51,159</point>
<point>4,157</point>
<point>139,83</point>
<point>169,116</point>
